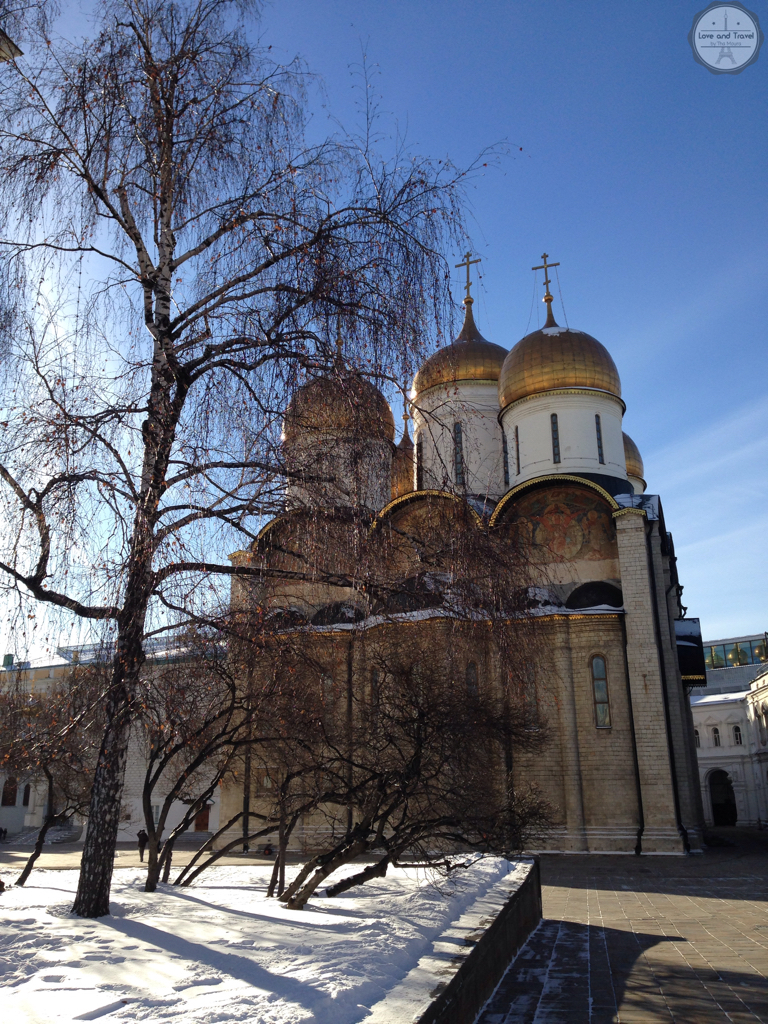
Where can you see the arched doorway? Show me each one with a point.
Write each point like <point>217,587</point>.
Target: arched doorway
<point>723,800</point>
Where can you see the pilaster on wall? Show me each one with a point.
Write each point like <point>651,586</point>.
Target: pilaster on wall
<point>680,718</point>
<point>661,833</point>
<point>575,838</point>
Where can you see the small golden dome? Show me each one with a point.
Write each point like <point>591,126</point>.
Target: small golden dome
<point>402,465</point>
<point>470,357</point>
<point>633,458</point>
<point>342,403</point>
<point>556,357</point>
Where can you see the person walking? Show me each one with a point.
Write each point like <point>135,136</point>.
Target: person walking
<point>143,839</point>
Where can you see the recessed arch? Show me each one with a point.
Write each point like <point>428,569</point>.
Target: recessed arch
<point>543,481</point>
<point>415,496</point>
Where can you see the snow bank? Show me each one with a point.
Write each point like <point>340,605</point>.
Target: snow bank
<point>221,951</point>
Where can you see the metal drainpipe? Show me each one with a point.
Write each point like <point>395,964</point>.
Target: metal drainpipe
<point>657,630</point>
<point>640,811</point>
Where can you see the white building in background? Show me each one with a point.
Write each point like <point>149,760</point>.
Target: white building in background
<point>23,799</point>
<point>731,734</point>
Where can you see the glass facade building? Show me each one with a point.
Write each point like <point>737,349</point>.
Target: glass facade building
<point>730,655</point>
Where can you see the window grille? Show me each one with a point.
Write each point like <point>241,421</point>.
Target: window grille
<point>737,738</point>
<point>599,432</point>
<point>505,453</point>
<point>555,438</point>
<point>517,451</point>
<point>716,737</point>
<point>600,691</point>
<point>419,465</point>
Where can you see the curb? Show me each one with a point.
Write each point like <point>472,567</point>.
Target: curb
<point>453,983</point>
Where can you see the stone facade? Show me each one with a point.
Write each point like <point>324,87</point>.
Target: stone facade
<point>732,747</point>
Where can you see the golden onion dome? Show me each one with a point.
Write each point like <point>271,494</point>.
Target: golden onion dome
<point>470,357</point>
<point>343,402</point>
<point>556,357</point>
<point>633,458</point>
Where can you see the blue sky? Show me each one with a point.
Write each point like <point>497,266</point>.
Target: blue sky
<point>644,175</point>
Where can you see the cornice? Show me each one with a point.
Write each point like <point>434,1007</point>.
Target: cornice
<point>630,512</point>
<point>565,391</point>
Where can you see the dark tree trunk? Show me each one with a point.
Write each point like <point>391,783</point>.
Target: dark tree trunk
<point>377,870</point>
<point>97,864</point>
<point>167,859</point>
<point>50,819</point>
<point>246,799</point>
<point>297,901</point>
<point>208,845</point>
<point>153,865</point>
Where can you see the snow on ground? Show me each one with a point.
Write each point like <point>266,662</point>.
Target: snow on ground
<point>220,951</point>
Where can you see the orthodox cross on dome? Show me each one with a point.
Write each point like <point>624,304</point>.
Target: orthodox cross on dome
<point>548,295</point>
<point>467,262</point>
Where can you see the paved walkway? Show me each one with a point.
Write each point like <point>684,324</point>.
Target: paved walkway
<point>649,939</point>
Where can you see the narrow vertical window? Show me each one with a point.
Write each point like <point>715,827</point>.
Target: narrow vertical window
<point>28,789</point>
<point>419,465</point>
<point>9,792</point>
<point>716,736</point>
<point>555,438</point>
<point>375,696</point>
<point>737,735</point>
<point>327,684</point>
<point>696,738</point>
<point>517,451</point>
<point>458,454</point>
<point>471,679</point>
<point>600,691</point>
<point>505,453</point>
<point>599,432</point>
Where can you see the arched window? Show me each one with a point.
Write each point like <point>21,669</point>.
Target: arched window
<point>9,792</point>
<point>327,684</point>
<point>599,432</point>
<point>716,736</point>
<point>471,679</point>
<point>517,451</point>
<point>738,741</point>
<point>458,454</point>
<point>555,438</point>
<point>696,738</point>
<point>505,454</point>
<point>26,794</point>
<point>419,464</point>
<point>600,691</point>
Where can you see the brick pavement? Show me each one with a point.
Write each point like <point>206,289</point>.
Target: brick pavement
<point>646,940</point>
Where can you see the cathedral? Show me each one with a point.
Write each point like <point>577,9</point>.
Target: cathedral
<point>529,439</point>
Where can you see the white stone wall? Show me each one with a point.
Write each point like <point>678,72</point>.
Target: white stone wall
<point>474,404</point>
<point>638,486</point>
<point>742,761</point>
<point>578,436</point>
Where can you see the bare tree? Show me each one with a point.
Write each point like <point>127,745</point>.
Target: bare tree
<point>191,721</point>
<point>418,771</point>
<point>175,255</point>
<point>53,736</point>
